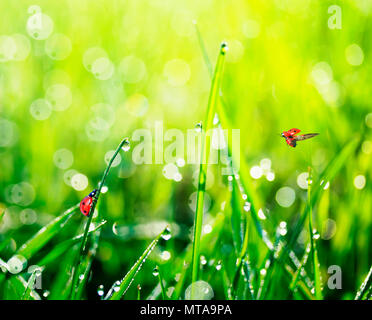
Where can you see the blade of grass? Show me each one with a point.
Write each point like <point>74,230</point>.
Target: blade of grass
<point>300,284</point>
<point>2,212</point>
<point>117,291</point>
<point>299,270</point>
<point>226,123</point>
<point>314,251</point>
<point>16,287</point>
<point>208,241</point>
<point>33,245</point>
<point>61,286</point>
<point>243,255</point>
<point>243,171</point>
<point>365,287</point>
<point>236,220</point>
<point>62,247</point>
<point>86,265</point>
<point>28,294</point>
<point>82,252</point>
<point>160,278</point>
<point>213,99</point>
<point>98,193</point>
<point>327,176</point>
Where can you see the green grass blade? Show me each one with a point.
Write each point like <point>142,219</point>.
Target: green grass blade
<point>236,220</point>
<point>61,286</point>
<point>365,287</point>
<point>327,176</point>
<point>160,278</point>
<point>314,251</point>
<point>2,212</point>
<point>118,291</point>
<point>85,268</point>
<point>82,251</point>
<point>208,241</point>
<point>95,200</point>
<point>62,247</point>
<point>213,99</point>
<point>244,172</point>
<point>203,50</point>
<point>33,245</point>
<point>28,293</point>
<point>16,288</point>
<point>300,284</point>
<point>300,269</point>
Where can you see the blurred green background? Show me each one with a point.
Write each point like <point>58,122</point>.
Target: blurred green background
<point>94,72</point>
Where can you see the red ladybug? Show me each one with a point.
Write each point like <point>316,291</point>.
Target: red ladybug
<point>87,202</point>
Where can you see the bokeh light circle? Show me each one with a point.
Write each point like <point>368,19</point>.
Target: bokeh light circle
<point>285,197</point>
<point>58,46</point>
<point>41,109</point>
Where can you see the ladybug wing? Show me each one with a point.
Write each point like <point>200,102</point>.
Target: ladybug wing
<point>85,205</point>
<point>291,142</point>
<point>293,131</point>
<point>305,136</point>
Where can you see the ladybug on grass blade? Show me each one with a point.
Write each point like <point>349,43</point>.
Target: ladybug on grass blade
<point>87,202</point>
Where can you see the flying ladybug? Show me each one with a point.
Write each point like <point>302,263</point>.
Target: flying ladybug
<point>291,136</point>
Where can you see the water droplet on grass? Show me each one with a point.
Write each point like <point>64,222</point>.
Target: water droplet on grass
<point>126,145</point>
<point>219,265</point>
<point>199,290</point>
<point>166,234</point>
<point>117,286</point>
<point>247,206</point>
<point>203,260</point>
<point>155,272</point>
<point>224,47</point>
<point>199,127</point>
<point>316,235</point>
<point>100,290</point>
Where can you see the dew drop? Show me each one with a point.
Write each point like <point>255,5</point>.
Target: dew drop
<point>177,277</point>
<point>224,47</point>
<point>316,235</point>
<point>166,234</point>
<point>126,145</point>
<point>155,272</point>
<point>117,286</point>
<point>219,265</point>
<point>100,290</point>
<point>247,206</point>
<point>216,120</point>
<point>199,290</point>
<point>199,127</point>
